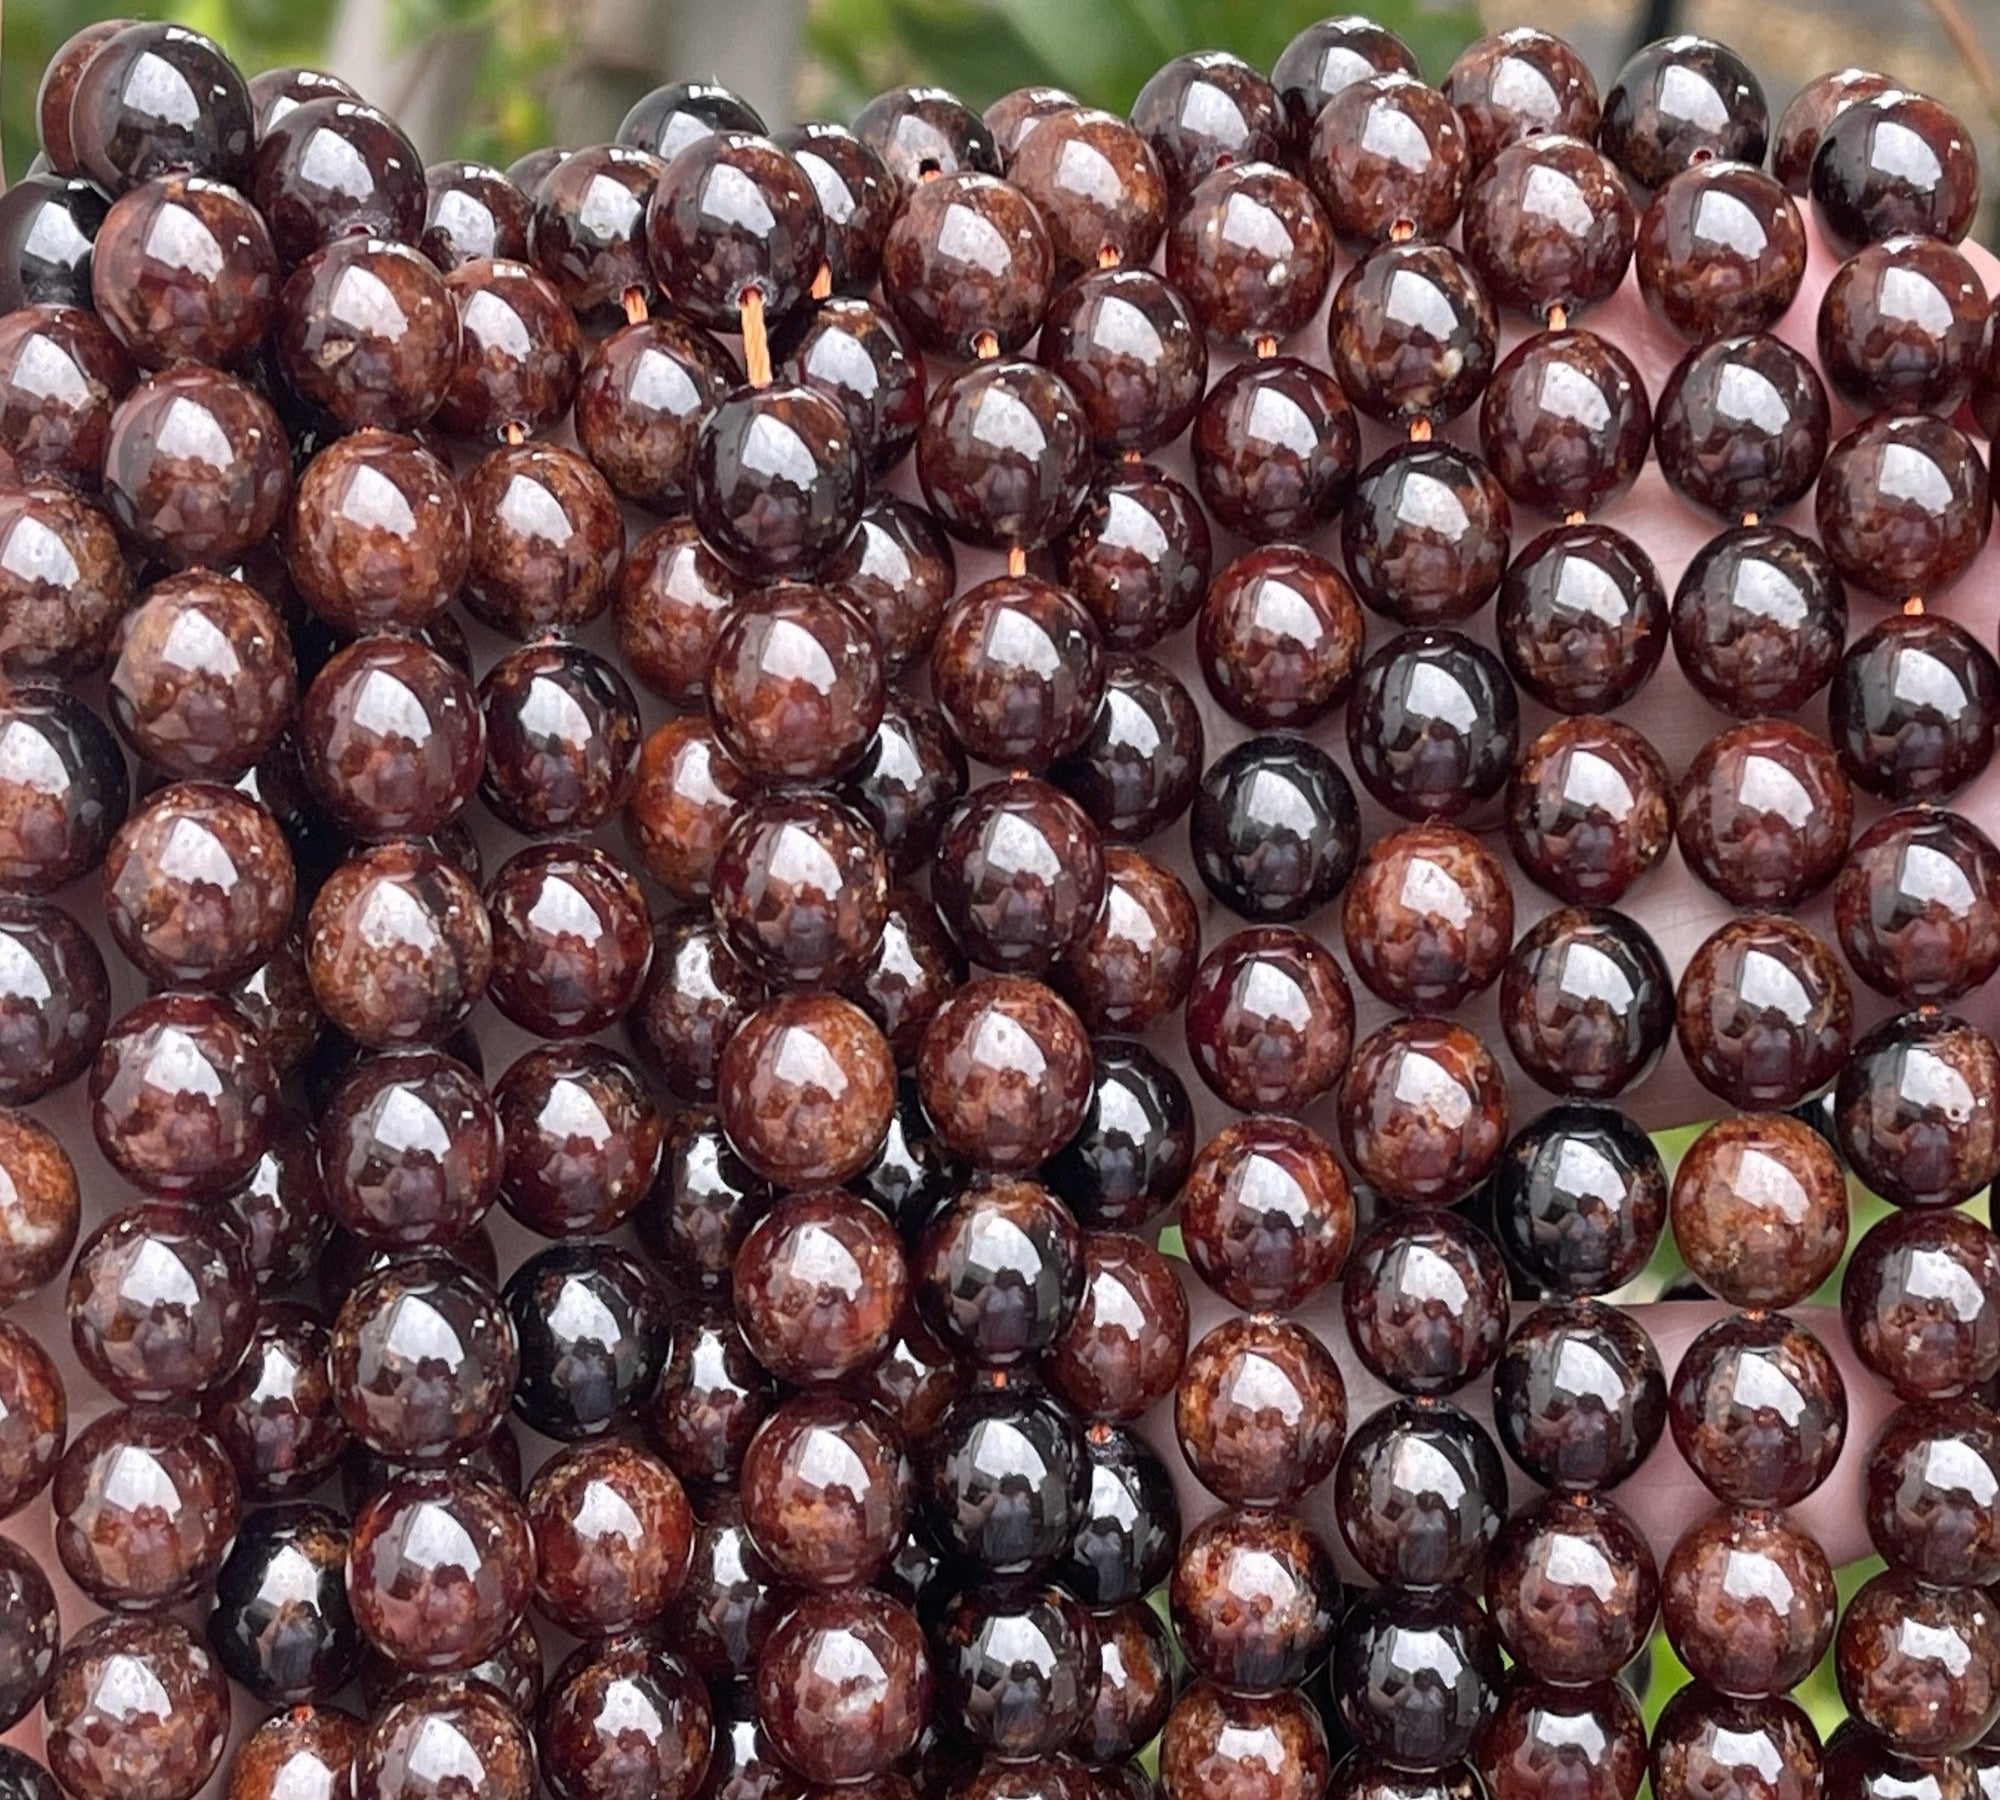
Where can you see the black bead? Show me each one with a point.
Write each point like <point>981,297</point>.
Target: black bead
<point>1579,1198</point>
<point>576,1382</point>
<point>1129,1525</point>
<point>281,1625</point>
<point>1275,829</point>
<point>1003,1478</point>
<point>1132,1153</point>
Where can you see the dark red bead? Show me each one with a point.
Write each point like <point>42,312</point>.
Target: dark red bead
<point>1893,162</point>
<point>1250,250</point>
<point>1098,187</point>
<point>1432,725</point>
<point>1590,810</point>
<point>1582,618</point>
<point>1913,708</point>
<point>1758,1410</point>
<point>1275,448</point>
<point>1269,1020</point>
<point>857,201</point>
<point>1759,620</point>
<point>1260,1411</point>
<point>1425,1300</point>
<point>1572,1588</point>
<point>1579,1398</point>
<point>1411,335</point>
<point>1129,349</point>
<point>1565,422</point>
<point>967,260</point>
<point>1520,83</point>
<point>1681,101</point>
<point>1764,814</point>
<point>1548,224</point>
<point>1016,671</point>
<point>1003,454</point>
<point>1204,110</point>
<point>1279,637</point>
<point>1720,252</point>
<point>1917,1301</point>
<point>1917,906</point>
<point>1764,1013</point>
<point>639,406</point>
<point>1903,505</point>
<point>1742,426</point>
<point>1914,1109</point>
<point>335,168</point>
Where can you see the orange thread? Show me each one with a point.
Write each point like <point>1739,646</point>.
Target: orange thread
<point>985,346</point>
<point>756,340</point>
<point>1266,345</point>
<point>822,285</point>
<point>635,306</point>
<point>1575,516</point>
<point>1914,607</point>
<point>1402,231</point>
<point>1017,560</point>
<point>1420,431</point>
<point>514,432</point>
<point>1108,256</point>
<point>1750,518</point>
<point>1558,317</point>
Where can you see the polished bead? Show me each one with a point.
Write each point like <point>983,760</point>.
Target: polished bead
<point>61,373</point>
<point>1548,225</point>
<point>591,1321</point>
<point>47,224</point>
<point>1130,350</point>
<point>1003,454</point>
<point>1137,555</point>
<point>1917,1301</point>
<point>1255,1599</point>
<point>1759,1210</point>
<point>1759,620</point>
<point>1135,769</point>
<point>844,1685</point>
<point>1748,1602</point>
<point>281,1624</point>
<point>1520,83</point>
<point>1590,810</point>
<point>336,168</point>
<point>1917,906</point>
<point>1098,187</point>
<point>1266,1217</point>
<point>1900,326</point>
<point>1423,1112</point>
<point>40,1206</point>
<point>1579,1200</point>
<point>624,1719</point>
<point>1269,1019</point>
<point>1126,1342</point>
<point>1260,1411</point>
<point>1586,1002</point>
<point>1204,109</point>
<point>1018,875</point>
<point>1275,448</point>
<point>1425,534</point>
<point>1016,1667</point>
<point>1913,708</point>
<point>546,539</point>
<point>807,1086</point>
<point>1903,505</point>
<point>857,201</point>
<point>100,1747</point>
<point>819,1283</point>
<point>519,351</point>
<point>687,793</point>
<point>1763,1012</point>
<point>1914,1109</point>
<point>1411,334</point>
<point>571,939</point>
<point>562,739</point>
<point>471,210</point>
<point>639,405</point>
<point>967,258</point>
<point>801,892</point>
<point>1707,1743</point>
<point>1764,814</point>
<point>1415,1673</point>
<point>1720,251</point>
<point>446,1740</point>
<point>1742,426</point>
<point>613,1532</point>
<point>1579,1398</point>
<point>275,1417</point>
<point>1682,101</point>
<point>1251,252</point>
<point>667,120</point>
<point>1419,1494</point>
<point>1004,1070</point>
<point>410,1150</point>
<point>1217,1742</point>
<point>1758,1410</point>
<point>1920,1664</point>
<point>1137,961</point>
<point>1565,422</point>
<point>1572,1588</point>
<point>1582,619</point>
<point>857,356</point>
<point>1933,1473</point>
<point>1893,162</point>
<point>1275,829</point>
<point>1588,1741</point>
<point>1432,725</point>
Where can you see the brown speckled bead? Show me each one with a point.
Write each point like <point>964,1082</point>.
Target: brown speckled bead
<point>1548,223</point>
<point>446,1740</point>
<point>1137,961</point>
<point>696,994</point>
<point>61,373</point>
<point>562,739</point>
<point>1900,327</point>
<point>1250,250</point>
<point>582,1139</point>
<point>1138,766</point>
<point>1896,161</point>
<point>1389,160</point>
<point>819,1284</point>
<point>182,270</point>
<point>1920,1664</point>
<point>907,782</point>
<point>1758,1410</point>
<point>1135,1686</point>
<point>334,167</point>
<point>1137,555</point>
<point>1428,918</point>
<point>807,1087</point>
<point>398,946</point>
<point>1915,1109</point>
<point>63,789</point>
<point>730,214</point>
<point>587,226</point>
<point>1205,109</point>
<point>1931,1474</point>
<point>685,796</point>
<point>1721,251</point>
<point>1913,708</point>
<point>181,1095</point>
<point>1425,1300</point>
<point>1589,1740</point>
<point>1680,101</point>
<point>1328,56</point>
<point>624,1719</point>
<point>1903,504</point>
<point>547,539</point>
<point>392,738</point>
<point>1582,618</point>
<point>1759,1210</point>
<point>1742,426</point>
<point>1764,813</point>
<point>857,356</point>
<point>40,1207</point>
<point>795,687</point>
<point>1759,621</point>
<point>64,583</point>
<point>472,210</point>
<point>1572,1588</point>
<point>145,1504</point>
<point>640,402</point>
<point>103,1743</point>
<point>998,1271</point>
<point>1520,83</point>
<point>1098,188</point>
<point>1579,1399</point>
<point>571,939</point>
<point>826,1491</point>
<point>673,595</point>
<point>801,891</point>
<point>1019,875</point>
<point>915,967</point>
<point>1707,1743</point>
<point>730,1600</point>
<point>897,571</point>
<point>440,1568</point>
<point>1269,1019</point>
<point>1586,1002</point>
<point>195,466</point>
<point>1129,349</point>
<point>1124,1347</point>
<point>1748,1602</point>
<point>1254,1599</point>
<point>303,1753</point>
<point>1004,1070</point>
<point>198,885</point>
<point>377,538</point>
<point>967,255</point>
<point>202,680</point>
<point>1763,1012</point>
<point>1279,637</point>
<point>161,1301</point>
<point>1917,1301</point>
<point>1266,1217</point>
<point>1917,906</point>
<point>1275,448</point>
<point>613,1532</point>
<point>1807,115</point>
<point>857,200</point>
<point>518,351</point>
<point>1253,1746</point>
<point>914,1383</point>
<point>1423,1112</point>
<point>1565,423</point>
<point>1411,334</point>
<point>367,330</point>
<point>275,1417</point>
<point>703,1203</point>
<point>711,1396</point>
<point>1004,454</point>
<point>844,1685</point>
<point>1590,810</point>
<point>1260,1411</point>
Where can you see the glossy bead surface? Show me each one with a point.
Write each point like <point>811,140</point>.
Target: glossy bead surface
<point>844,1685</point>
<point>1548,224</point>
<point>1419,1494</point>
<point>967,258</point>
<point>1137,962</point>
<point>99,1747</point>
<point>1389,160</point>
<point>1579,1398</point>
<point>571,939</point>
<point>1931,1473</point>
<point>410,1150</point>
<point>857,200</point>
<point>801,892</point>
<point>1432,725</point>
<point>1720,251</point>
<point>1275,829</point>
<point>1004,1070</point>
<point>1018,875</point>
<point>1217,1742</point>
<point>1127,1339</point>
<point>1423,1112</point>
<point>625,1718</point>
<point>1758,1410</point>
<point>613,1532</point>
<point>1565,422</point>
<point>1586,1002</point>
<point>1748,1602</point>
<point>1425,534</point>
<point>472,210</point>
<point>546,540</point>
<point>1742,426</point>
<point>275,1417</point>
<point>1893,162</point>
<point>1129,349</point>
<point>1590,809</point>
<point>367,331</point>
<point>1411,335</point>
<point>440,1568</point>
<point>1098,187</point>
<point>1919,1664</point>
<point>1763,1012</point>
<point>1764,814</point>
<point>1250,250</point>
<point>1254,1600</point>
<point>1269,1019</point>
<point>1903,504</point>
<point>1572,1588</point>
<point>1579,1200</point>
<point>40,1206</point>
<point>591,1322</point>
<point>1415,1674</point>
<point>1539,1735</point>
<point>1705,1742</point>
<point>1275,448</point>
<point>915,968</point>
<point>819,1283</point>
<point>1913,709</point>
<point>468,1727</point>
<point>1425,1299</point>
<point>1582,619</point>
<point>685,796</point>
<point>1912,1109</point>
<point>1260,1411</point>
<point>1205,109</point>
<point>1900,327</point>
<point>1137,555</point>
<point>907,782</point>
<point>1916,1299</point>
<point>999,1271</point>
<point>281,1625</point>
<point>1759,1210</point>
<point>1266,1217</point>
<point>1015,1668</point>
<point>562,739</point>
<point>807,1087</point>
<point>1917,906</point>
<point>1519,83</point>
<point>519,351</point>
<point>1681,101</point>
<point>1759,620</point>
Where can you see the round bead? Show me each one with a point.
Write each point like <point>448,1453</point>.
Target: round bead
<point>1914,1109</point>
<point>1425,1300</point>
<point>40,1207</point>
<point>1266,1217</point>
<point>612,1534</point>
<point>1748,1602</point>
<point>859,358</point>
<point>333,168</point>
<point>1763,1012</point>
<point>1432,725</point>
<point>1759,1210</point>
<point>1016,671</point>
<point>1269,1019</point>
<point>1917,1303</point>
<point>1893,162</point>
<point>1579,1398</point>
<point>1019,875</point>
<point>731,214</point>
<point>1579,1199</point>
<point>1260,1411</point>
<point>685,797</point>
<point>1548,224</point>
<point>1913,708</point>
<point>1900,326</point>
<point>1137,962</point>
<point>368,331</point>
<point>1720,251</point>
<point>1003,454</point>
<point>1423,1112</point>
<point>1419,1494</point>
<point>591,1322</point>
<point>967,259</point>
<point>777,481</point>
<point>844,1685</point>
<point>1932,1473</point>
<point>621,1716</point>
<point>1425,534</point>
<point>1520,83</point>
<point>61,373</point>
<point>1129,349</point>
<point>807,1087</point>
<point>410,1150</point>
<point>1125,1345</point>
<point>546,539</point>
<point>1758,1410</point>
<point>1920,1664</point>
<point>1903,505</point>
<point>1205,109</point>
<point>281,1625</point>
<point>1582,619</point>
<point>1275,829</point>
<point>1250,250</point>
<point>1679,101</point>
<point>1254,1598</point>
<point>857,201</point>
<point>1591,1738</point>
<point>908,780</point>
<point>519,351</point>
<point>819,1282</point>
<point>1098,188</point>
<point>472,210</point>
<point>1917,906</point>
<point>1015,1667</point>
<point>1004,1478</point>
<point>999,1272</point>
<point>1572,1588</point>
<point>467,1726</point>
<point>1590,809</point>
<point>1389,160</point>
<point>1411,334</point>
<point>1742,426</point>
<point>1137,767</point>
<point>1428,918</point>
<point>1707,1743</point>
<point>801,891</point>
<point>1759,620</point>
<point>1004,1070</point>
<point>1764,814</point>
<point>1279,637</point>
<point>1137,555</point>
<point>1275,448</point>
<point>571,939</point>
<point>99,1748</point>
<point>1414,1673</point>
<point>1586,1002</point>
<point>639,406</point>
<point>182,269</point>
<point>1328,56</point>
<point>1565,423</point>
